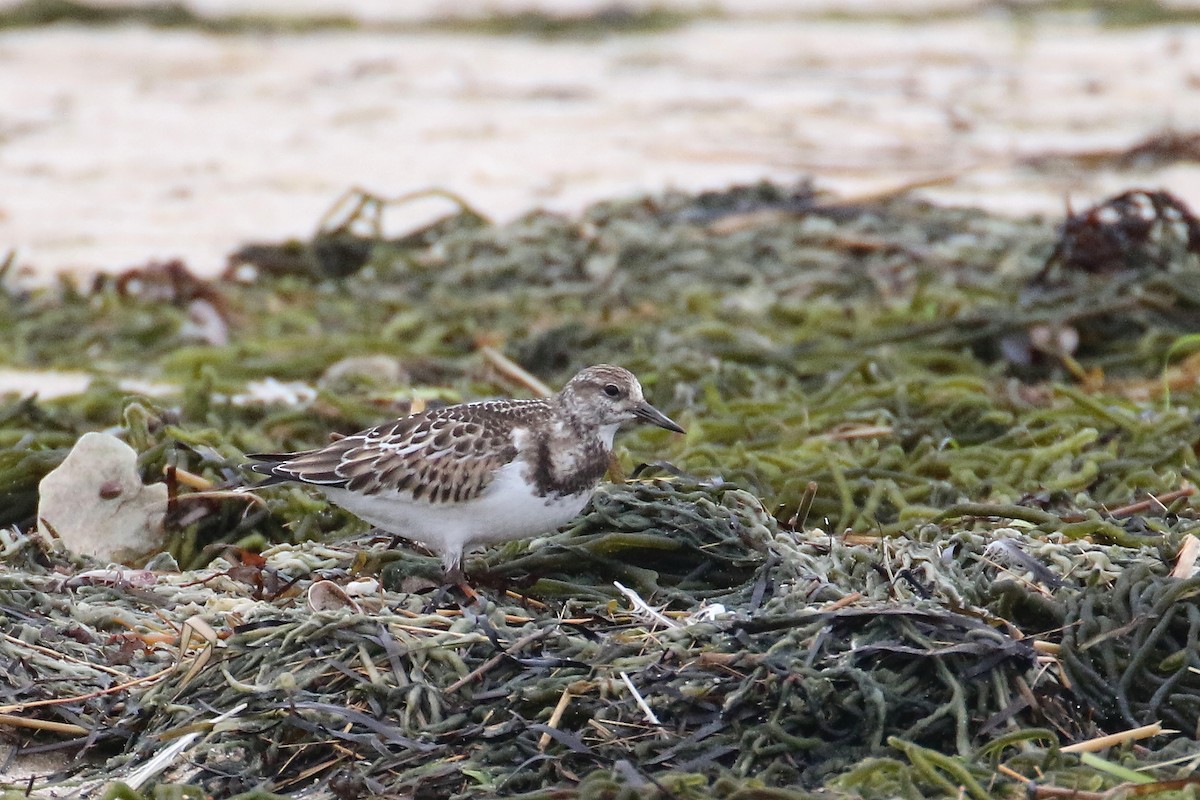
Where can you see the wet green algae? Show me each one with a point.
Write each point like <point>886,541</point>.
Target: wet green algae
<point>854,348</point>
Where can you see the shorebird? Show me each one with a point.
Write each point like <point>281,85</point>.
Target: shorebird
<point>475,473</point>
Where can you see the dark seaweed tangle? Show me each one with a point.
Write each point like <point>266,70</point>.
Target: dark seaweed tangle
<point>894,557</point>
<point>808,656</point>
<point>1132,652</point>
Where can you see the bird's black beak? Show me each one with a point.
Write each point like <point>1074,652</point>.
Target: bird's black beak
<point>648,413</point>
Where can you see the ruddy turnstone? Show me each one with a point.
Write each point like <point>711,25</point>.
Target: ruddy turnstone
<point>474,473</point>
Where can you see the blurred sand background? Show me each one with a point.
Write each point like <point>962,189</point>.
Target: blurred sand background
<point>125,143</point>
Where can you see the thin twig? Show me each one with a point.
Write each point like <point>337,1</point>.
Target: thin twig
<point>1160,500</point>
<point>842,602</point>
<point>538,604</point>
<point>858,432</point>
<point>513,371</point>
<point>63,656</point>
<point>57,701</point>
<point>1101,742</point>
<point>641,701</point>
<point>1040,792</point>
<point>490,664</point>
<point>642,608</point>
<point>43,725</point>
<point>191,479</point>
<point>555,717</point>
<point>1157,500</point>
<point>1012,773</point>
<point>710,658</point>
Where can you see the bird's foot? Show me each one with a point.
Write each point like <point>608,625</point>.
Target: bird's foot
<point>457,578</point>
<point>454,579</point>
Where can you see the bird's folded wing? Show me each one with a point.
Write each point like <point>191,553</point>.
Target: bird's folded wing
<point>431,457</point>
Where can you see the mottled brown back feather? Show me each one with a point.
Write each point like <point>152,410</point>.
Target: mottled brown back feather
<point>438,456</point>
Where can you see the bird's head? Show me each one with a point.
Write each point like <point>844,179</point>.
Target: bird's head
<point>605,395</point>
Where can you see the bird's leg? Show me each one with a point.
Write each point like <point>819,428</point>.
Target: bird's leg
<point>454,579</point>
<point>452,561</point>
<point>466,589</point>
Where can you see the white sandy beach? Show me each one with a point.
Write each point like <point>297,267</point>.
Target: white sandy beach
<point>120,145</point>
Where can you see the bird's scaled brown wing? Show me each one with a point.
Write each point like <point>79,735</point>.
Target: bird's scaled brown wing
<point>439,456</point>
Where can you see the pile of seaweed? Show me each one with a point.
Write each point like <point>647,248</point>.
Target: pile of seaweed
<point>932,529</point>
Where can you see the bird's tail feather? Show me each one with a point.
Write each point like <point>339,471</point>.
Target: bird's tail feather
<point>268,464</point>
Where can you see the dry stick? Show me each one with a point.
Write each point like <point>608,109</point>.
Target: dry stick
<point>1044,647</point>
<point>643,608</point>
<point>99,693</point>
<point>902,189</point>
<point>555,717</point>
<point>314,770</point>
<point>802,510</point>
<point>1157,786</point>
<point>1058,791</point>
<point>43,725</point>
<point>62,656</point>
<point>490,664</point>
<point>862,432</point>
<point>538,604</point>
<point>603,731</point>
<point>1012,773</point>
<point>362,202</point>
<point>191,479</point>
<point>206,490</point>
<point>196,627</point>
<point>735,223</point>
<point>709,658</point>
<point>513,371</point>
<point>1101,742</point>
<point>842,602</point>
<point>404,612</point>
<point>1027,693</point>
<point>641,701</point>
<point>1153,500</point>
<point>1140,506</point>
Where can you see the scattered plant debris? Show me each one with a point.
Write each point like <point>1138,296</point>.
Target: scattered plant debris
<point>885,560</point>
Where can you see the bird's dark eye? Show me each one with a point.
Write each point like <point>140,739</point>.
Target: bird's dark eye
<point>612,390</point>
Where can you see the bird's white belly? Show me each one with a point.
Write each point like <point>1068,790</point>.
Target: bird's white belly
<point>507,509</point>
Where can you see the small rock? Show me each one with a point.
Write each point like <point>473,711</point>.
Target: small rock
<point>96,504</point>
